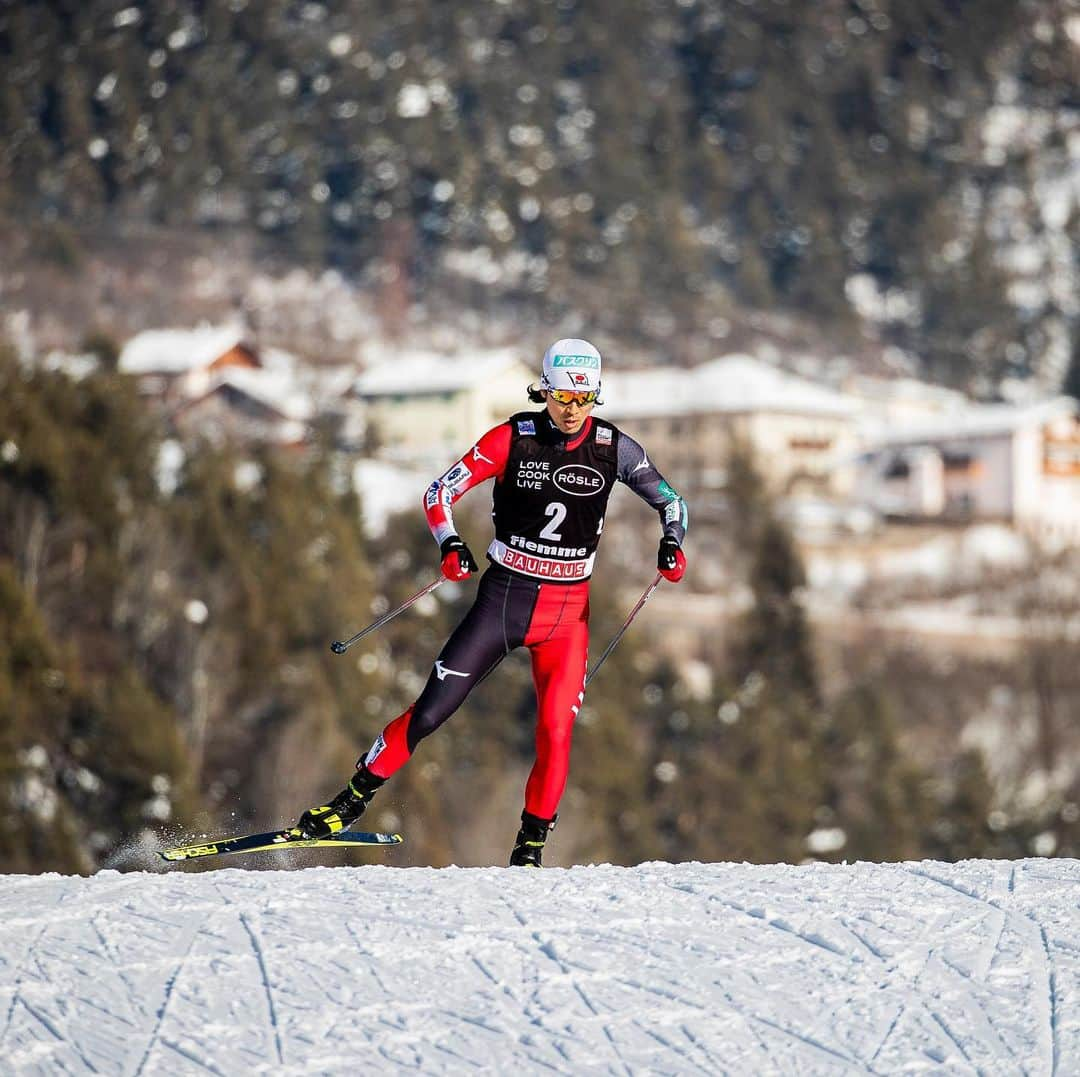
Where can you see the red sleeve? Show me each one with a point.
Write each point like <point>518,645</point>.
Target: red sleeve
<point>485,460</point>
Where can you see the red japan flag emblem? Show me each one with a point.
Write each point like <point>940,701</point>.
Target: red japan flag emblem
<point>580,379</point>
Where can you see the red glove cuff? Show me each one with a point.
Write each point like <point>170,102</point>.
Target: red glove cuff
<point>458,562</point>
<point>452,568</point>
<point>675,574</point>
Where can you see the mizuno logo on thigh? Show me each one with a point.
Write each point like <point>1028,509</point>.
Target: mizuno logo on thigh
<point>442,672</point>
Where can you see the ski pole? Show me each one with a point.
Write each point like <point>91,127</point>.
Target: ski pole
<point>340,648</point>
<point>626,624</point>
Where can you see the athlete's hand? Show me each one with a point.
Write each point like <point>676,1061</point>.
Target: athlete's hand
<point>670,560</point>
<point>458,562</point>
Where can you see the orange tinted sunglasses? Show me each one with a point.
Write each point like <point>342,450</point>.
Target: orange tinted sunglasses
<point>568,396</point>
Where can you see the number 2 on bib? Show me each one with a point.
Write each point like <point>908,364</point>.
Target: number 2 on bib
<point>557,511</point>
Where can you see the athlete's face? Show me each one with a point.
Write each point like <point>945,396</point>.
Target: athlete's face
<point>568,417</point>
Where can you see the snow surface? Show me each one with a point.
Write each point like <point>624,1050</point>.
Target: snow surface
<point>662,968</point>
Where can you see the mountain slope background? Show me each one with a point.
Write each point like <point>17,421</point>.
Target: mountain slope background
<point>900,172</point>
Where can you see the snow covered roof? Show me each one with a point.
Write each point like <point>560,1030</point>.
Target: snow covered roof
<point>420,373</point>
<point>276,389</point>
<point>905,391</point>
<point>174,351</point>
<point>732,384</point>
<point>976,421</point>
<point>330,384</point>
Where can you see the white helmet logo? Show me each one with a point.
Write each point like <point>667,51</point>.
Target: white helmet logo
<point>571,364</point>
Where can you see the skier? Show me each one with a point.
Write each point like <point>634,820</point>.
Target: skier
<point>554,471</point>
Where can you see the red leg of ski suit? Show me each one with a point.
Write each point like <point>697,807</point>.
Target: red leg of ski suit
<point>552,620</point>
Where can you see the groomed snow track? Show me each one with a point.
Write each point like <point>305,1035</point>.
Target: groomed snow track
<point>970,968</point>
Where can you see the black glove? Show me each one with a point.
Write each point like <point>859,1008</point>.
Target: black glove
<point>670,559</point>
<point>458,562</point>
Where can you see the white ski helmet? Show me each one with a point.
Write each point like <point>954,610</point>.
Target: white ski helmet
<point>571,364</point>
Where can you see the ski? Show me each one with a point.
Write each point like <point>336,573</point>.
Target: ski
<point>274,841</point>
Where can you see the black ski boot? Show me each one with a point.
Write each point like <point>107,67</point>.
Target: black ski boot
<point>529,846</point>
<point>344,809</point>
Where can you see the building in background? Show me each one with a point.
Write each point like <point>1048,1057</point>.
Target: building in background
<point>891,402</point>
<point>896,448</point>
<point>247,406</point>
<point>803,435</point>
<point>1018,465</point>
<point>174,365</point>
<point>423,405</point>
<point>215,383</point>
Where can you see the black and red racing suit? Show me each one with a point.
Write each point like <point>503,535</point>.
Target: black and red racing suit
<point>550,498</point>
